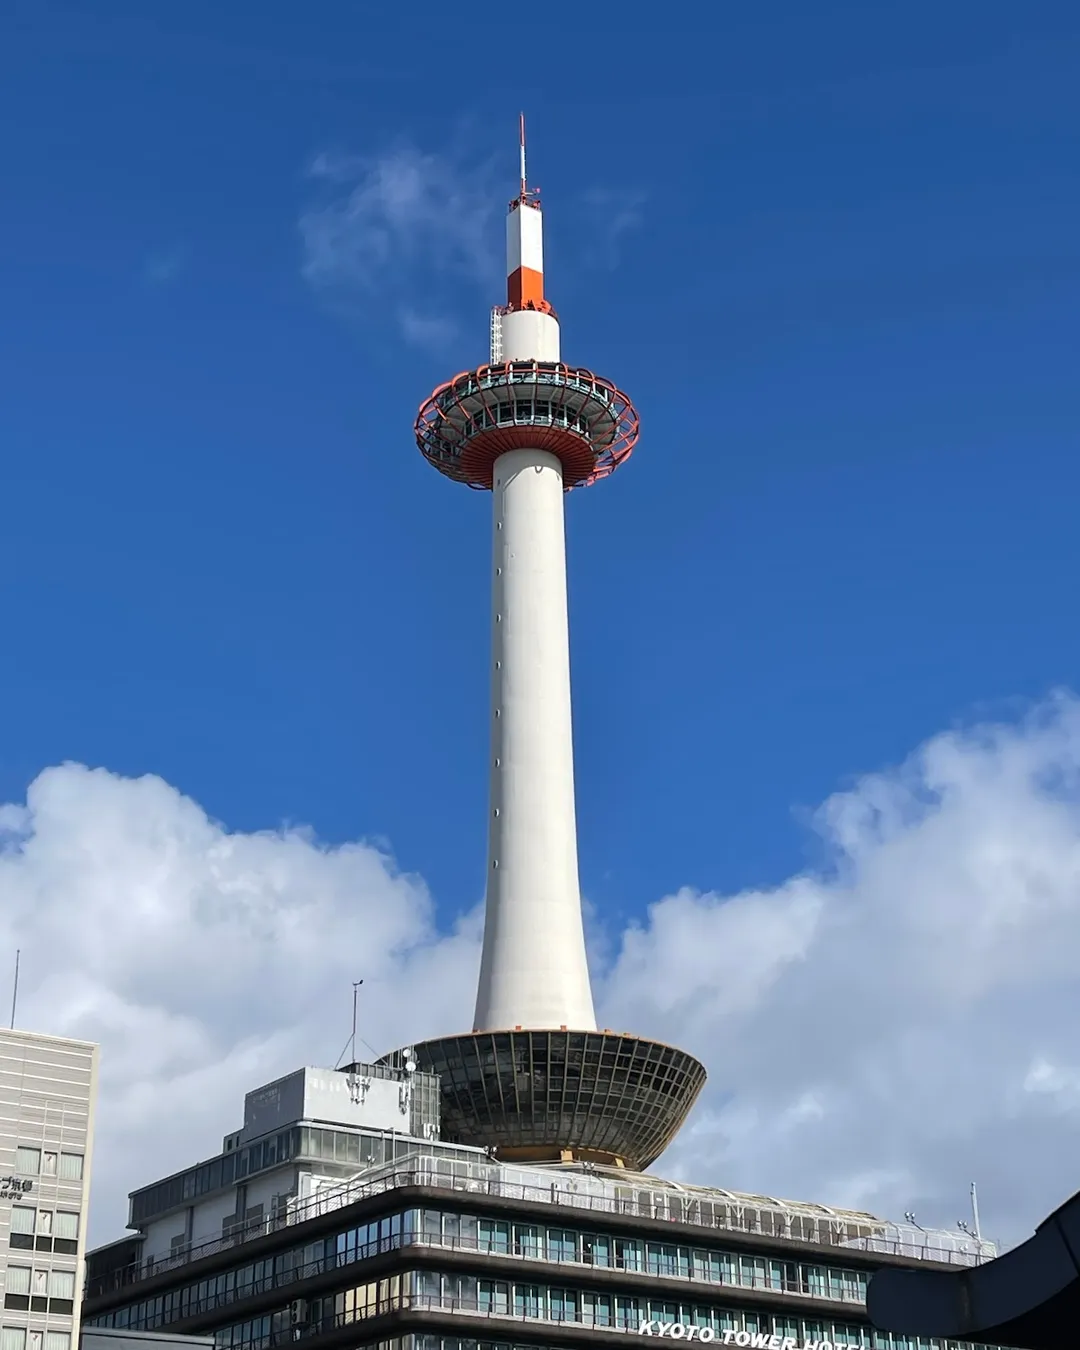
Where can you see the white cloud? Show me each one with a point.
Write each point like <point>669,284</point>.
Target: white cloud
<point>399,225</point>
<point>878,1036</point>
<point>610,216</point>
<point>205,962</point>
<point>923,996</point>
<point>427,330</point>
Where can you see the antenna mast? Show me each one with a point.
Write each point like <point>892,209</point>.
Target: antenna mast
<point>15,990</point>
<point>521,128</point>
<point>352,1042</point>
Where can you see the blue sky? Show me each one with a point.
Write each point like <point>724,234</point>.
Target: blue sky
<point>832,251</point>
<point>834,258</point>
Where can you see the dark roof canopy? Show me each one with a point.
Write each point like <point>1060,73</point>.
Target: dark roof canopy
<point>1028,1299</point>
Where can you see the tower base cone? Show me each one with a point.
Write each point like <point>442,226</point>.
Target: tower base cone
<point>552,1096</point>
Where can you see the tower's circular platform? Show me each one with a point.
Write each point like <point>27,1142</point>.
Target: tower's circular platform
<point>583,420</point>
<point>550,1095</point>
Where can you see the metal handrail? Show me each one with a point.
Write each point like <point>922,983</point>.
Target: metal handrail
<point>628,1324</point>
<point>421,1303</point>
<point>420,1240</point>
<point>360,1189</point>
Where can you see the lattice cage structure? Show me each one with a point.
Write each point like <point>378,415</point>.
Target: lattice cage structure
<point>559,1093</point>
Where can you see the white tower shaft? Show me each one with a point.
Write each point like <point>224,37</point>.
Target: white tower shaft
<point>534,972</point>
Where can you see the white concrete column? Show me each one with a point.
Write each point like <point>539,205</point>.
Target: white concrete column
<point>534,972</point>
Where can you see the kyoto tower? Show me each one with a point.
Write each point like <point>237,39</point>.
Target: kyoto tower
<point>536,1080</point>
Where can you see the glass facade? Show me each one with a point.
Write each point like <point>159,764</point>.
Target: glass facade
<point>301,1143</point>
<point>211,1176</point>
<point>507,1238</point>
<point>590,1309</point>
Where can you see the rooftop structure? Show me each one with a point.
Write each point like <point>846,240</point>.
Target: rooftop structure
<point>536,1078</point>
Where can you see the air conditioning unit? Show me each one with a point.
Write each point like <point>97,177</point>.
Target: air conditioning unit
<point>298,1311</point>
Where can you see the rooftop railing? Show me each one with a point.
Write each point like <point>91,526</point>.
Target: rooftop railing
<point>715,1212</point>
<point>503,1320</point>
<point>797,1284</point>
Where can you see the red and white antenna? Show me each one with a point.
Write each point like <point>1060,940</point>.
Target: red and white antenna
<point>525,328</point>
<point>521,128</point>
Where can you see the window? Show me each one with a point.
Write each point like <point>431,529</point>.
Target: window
<point>22,1219</point>
<point>71,1167</point>
<point>627,1312</point>
<point>13,1338</point>
<point>44,1222</point>
<point>48,1164</point>
<point>61,1284</point>
<point>493,1235</point>
<point>66,1225</point>
<point>563,1305</point>
<point>526,1239</point>
<point>28,1161</point>
<point>628,1254</point>
<point>428,1284</point>
<point>527,1302</point>
<point>493,1296</point>
<point>562,1245</point>
<point>18,1279</point>
<point>596,1309</point>
<point>57,1340</point>
<point>666,1259</point>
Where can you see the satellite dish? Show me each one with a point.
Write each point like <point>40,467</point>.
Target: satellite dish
<point>410,1066</point>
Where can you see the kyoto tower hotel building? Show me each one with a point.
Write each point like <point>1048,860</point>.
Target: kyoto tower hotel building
<point>488,1190</point>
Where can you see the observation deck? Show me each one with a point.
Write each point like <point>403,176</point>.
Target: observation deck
<point>588,424</point>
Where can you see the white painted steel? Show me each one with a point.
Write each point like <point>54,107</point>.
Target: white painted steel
<point>496,336</point>
<point>529,335</point>
<point>533,971</point>
<point>525,239</point>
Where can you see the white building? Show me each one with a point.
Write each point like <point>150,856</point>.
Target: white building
<point>48,1087</point>
<point>313,1128</point>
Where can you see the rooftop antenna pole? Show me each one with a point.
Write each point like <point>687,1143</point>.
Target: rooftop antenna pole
<point>975,1211</point>
<point>15,990</point>
<point>352,1042</point>
<point>521,130</point>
